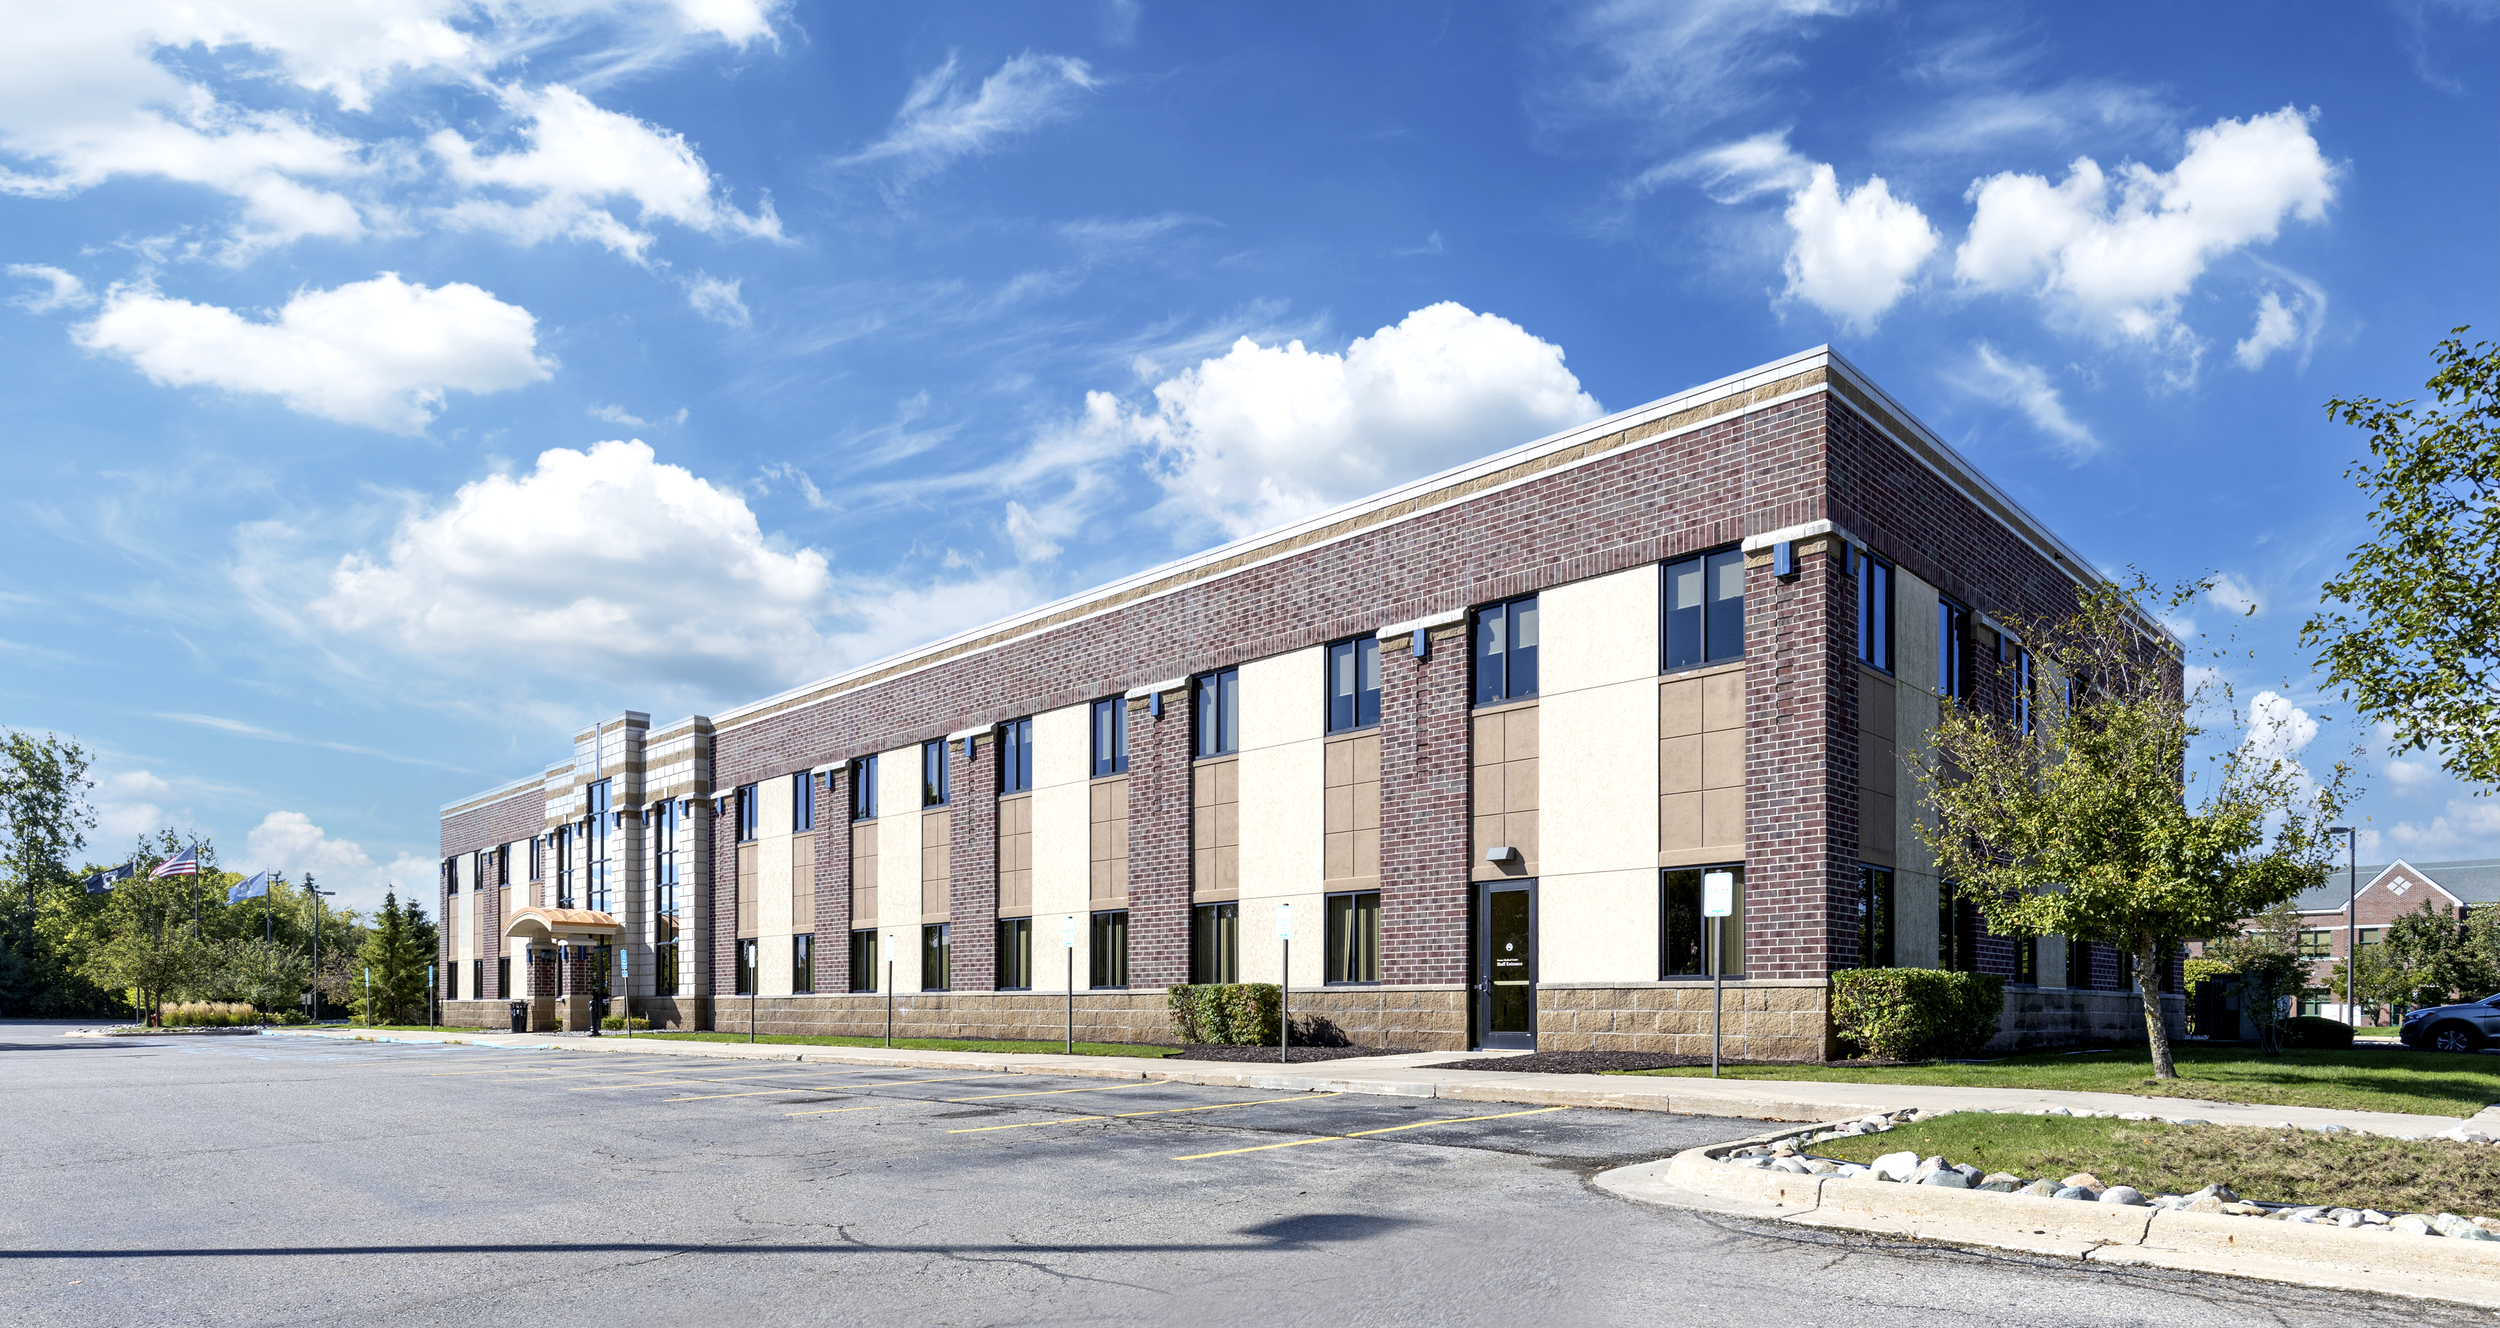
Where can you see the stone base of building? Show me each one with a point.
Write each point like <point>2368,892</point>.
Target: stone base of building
<point>684,1014</point>
<point>1769,1020</point>
<point>1422,1018</point>
<point>2041,1017</point>
<point>491,1016</point>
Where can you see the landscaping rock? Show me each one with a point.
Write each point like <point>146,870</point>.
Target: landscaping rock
<point>2122,1194</point>
<point>1948,1178</point>
<point>2208,1204</point>
<point>2085,1180</point>
<point>1822,1167</point>
<point>1792,1165</point>
<point>2244,1210</point>
<point>1895,1166</point>
<point>2008,1177</point>
<point>2216,1191</point>
<point>2457,1228</point>
<point>2373,1217</point>
<point>2075,1192</point>
<point>2135,1115</point>
<point>1850,1170</point>
<point>1997,1186</point>
<point>2045,1189</point>
<point>2412,1224</point>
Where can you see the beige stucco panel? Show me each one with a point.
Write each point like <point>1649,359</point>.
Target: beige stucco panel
<point>1063,750</point>
<point>1597,632</point>
<point>898,863</point>
<point>1262,954</point>
<point>772,868</point>
<point>1282,775</point>
<point>1284,698</point>
<point>1598,926</point>
<point>1062,754</point>
<point>1597,792</point>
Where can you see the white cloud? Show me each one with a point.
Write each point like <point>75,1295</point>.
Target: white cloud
<point>1681,62</point>
<point>718,300</point>
<point>2277,327</point>
<point>2277,731</point>
<point>290,843</point>
<point>2410,776</point>
<point>1854,253</point>
<point>580,159</point>
<point>2026,387</point>
<point>2119,254</point>
<point>128,804</point>
<point>2465,828</point>
<point>66,290</point>
<point>2235,595</point>
<point>1264,434</point>
<point>941,122</point>
<point>1736,172</point>
<point>616,415</point>
<point>380,353</point>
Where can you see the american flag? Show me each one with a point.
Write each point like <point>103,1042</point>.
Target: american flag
<point>185,863</point>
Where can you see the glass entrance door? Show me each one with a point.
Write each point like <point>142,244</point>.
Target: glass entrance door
<point>1506,964</point>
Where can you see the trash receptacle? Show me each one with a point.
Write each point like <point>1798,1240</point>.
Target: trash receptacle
<point>520,1016</point>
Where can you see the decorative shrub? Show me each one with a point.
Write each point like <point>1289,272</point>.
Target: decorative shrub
<point>615,1023</point>
<point>1909,1014</point>
<point>206,1014</point>
<point>1233,1014</point>
<point>2309,1033</point>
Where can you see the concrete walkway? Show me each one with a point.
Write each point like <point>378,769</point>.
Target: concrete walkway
<point>1405,1076</point>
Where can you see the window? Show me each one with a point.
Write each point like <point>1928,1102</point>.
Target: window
<point>665,816</point>
<point>2373,935</point>
<point>1874,610</point>
<point>2078,963</point>
<point>1215,943</point>
<point>1111,736</point>
<point>2312,1007</point>
<point>1109,954</point>
<point>503,975</point>
<point>1354,684</point>
<point>451,982</point>
<point>1506,651</point>
<point>2315,944</point>
<point>1219,712</point>
<point>477,980</point>
<point>595,851</point>
<point>1705,611</point>
<point>1015,954</point>
<point>749,808</point>
<point>2027,961</point>
<point>1683,948</point>
<point>802,802</point>
<point>1952,649</point>
<point>937,951</point>
<point>863,961</point>
<point>503,866</point>
<point>1353,936</point>
<point>451,876</point>
<point>1957,932</point>
<point>2024,713</point>
<point>1015,756</point>
<point>933,764</point>
<point>562,838</point>
<point>538,868</point>
<point>1874,916</point>
<point>803,963</point>
<point>864,789</point>
<point>746,967</point>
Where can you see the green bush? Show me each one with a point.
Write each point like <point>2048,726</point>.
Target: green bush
<point>1233,1014</point>
<point>1908,1014</point>
<point>2310,1033</point>
<point>615,1023</point>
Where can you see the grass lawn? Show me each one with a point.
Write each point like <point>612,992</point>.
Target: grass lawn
<point>2279,1166</point>
<point>2363,1079</point>
<point>925,1044</point>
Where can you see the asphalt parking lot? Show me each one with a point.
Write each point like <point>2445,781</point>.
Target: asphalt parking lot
<point>281,1180</point>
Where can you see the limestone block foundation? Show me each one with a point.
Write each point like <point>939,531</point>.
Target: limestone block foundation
<point>1761,1019</point>
<point>1423,1018</point>
<point>2037,1017</point>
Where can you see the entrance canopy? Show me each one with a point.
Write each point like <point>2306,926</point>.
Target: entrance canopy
<point>553,924</point>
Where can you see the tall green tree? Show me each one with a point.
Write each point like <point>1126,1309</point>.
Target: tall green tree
<point>2410,628</point>
<point>2085,819</point>
<point>44,814</point>
<point>395,955</point>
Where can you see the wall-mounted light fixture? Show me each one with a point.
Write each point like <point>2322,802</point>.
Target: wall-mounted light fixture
<point>1502,854</point>
<point>1784,559</point>
<point>1154,704</point>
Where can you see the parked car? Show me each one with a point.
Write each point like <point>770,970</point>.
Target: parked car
<point>2468,1027</point>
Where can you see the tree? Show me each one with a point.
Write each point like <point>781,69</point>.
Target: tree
<point>2094,827</point>
<point>43,804</point>
<point>2411,627</point>
<point>266,973</point>
<point>395,956</point>
<point>2264,954</point>
<point>2382,981</point>
<point>2442,961</point>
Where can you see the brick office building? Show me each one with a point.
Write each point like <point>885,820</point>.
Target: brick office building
<point>2374,896</point>
<point>1482,737</point>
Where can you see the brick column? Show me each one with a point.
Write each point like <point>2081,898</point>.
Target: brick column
<point>1158,843</point>
<point>542,972</point>
<point>833,883</point>
<point>1424,776</point>
<point>490,944</point>
<point>1801,769</point>
<point>972,863</point>
<point>721,878</point>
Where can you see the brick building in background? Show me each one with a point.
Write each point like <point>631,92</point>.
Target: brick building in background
<point>2386,892</point>
<point>1481,737</point>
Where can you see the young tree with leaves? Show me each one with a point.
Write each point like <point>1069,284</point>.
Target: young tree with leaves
<point>2264,954</point>
<point>2093,825</point>
<point>395,955</point>
<point>43,811</point>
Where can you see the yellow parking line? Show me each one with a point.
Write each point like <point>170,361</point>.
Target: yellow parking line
<point>768,1092</point>
<point>836,1111</point>
<point>1386,1129</point>
<point>720,1079</point>
<point>1123,1115</point>
<point>1051,1092</point>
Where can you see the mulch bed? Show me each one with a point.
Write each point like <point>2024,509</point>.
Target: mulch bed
<point>1600,1062</point>
<point>1298,1055</point>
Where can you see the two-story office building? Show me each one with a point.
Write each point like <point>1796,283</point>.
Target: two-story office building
<point>1475,742</point>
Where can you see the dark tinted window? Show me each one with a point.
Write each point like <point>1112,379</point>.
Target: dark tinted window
<point>1218,702</point>
<point>1015,756</point>
<point>1111,736</point>
<point>1705,610</point>
<point>1506,651</point>
<point>1354,684</point>
<point>933,773</point>
<point>1874,610</point>
<point>864,789</point>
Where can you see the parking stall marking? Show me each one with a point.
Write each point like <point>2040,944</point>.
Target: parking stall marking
<point>1124,1115</point>
<point>1357,1134</point>
<point>768,1092</point>
<point>1054,1092</point>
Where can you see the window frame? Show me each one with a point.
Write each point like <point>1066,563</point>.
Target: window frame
<point>802,802</point>
<point>1112,710</point>
<point>1667,920</point>
<point>937,773</point>
<point>1106,966</point>
<point>1015,756</point>
<point>864,788</point>
<point>937,938</point>
<point>2079,965</point>
<point>1358,708</point>
<point>749,957</point>
<point>1708,563</point>
<point>749,810</point>
<point>1014,938</point>
<point>863,938</point>
<point>803,963</point>
<point>1207,923</point>
<point>1506,612</point>
<point>1337,929</point>
<point>1875,606</point>
<point>1878,913</point>
<point>2316,943</point>
<point>1954,647</point>
<point>1218,734</point>
<point>599,799</point>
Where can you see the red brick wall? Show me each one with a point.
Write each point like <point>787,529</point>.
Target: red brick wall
<point>972,867</point>
<point>500,822</point>
<point>723,911</point>
<point>1801,804</point>
<point>833,883</point>
<point>1159,830</point>
<point>1424,791</point>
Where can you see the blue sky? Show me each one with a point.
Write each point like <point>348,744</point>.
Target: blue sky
<point>394,387</point>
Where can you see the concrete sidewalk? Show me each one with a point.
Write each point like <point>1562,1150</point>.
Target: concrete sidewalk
<point>1406,1076</point>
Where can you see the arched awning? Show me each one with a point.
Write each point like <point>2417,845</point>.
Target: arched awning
<point>554,924</point>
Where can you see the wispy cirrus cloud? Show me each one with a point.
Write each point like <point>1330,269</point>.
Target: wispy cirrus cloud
<point>1996,376</point>
<point>942,121</point>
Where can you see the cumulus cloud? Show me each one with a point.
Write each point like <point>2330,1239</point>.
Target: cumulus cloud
<point>2236,596</point>
<point>380,353</point>
<point>942,122</point>
<point>1852,253</point>
<point>2026,387</point>
<point>2118,251</point>
<point>2465,828</point>
<point>289,842</point>
<point>64,290</point>
<point>128,804</point>
<point>718,300</point>
<point>1266,433</point>
<point>580,161</point>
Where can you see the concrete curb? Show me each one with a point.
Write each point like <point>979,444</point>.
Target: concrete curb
<point>2391,1263</point>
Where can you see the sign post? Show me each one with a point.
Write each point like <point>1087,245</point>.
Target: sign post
<point>624,978</point>
<point>1718,898</point>
<point>1284,985</point>
<point>1067,940</point>
<point>429,998</point>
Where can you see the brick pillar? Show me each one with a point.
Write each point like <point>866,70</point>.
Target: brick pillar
<point>972,864</point>
<point>1158,843</point>
<point>833,883</point>
<point>721,879</point>
<point>490,944</point>
<point>1424,777</point>
<point>1801,769</point>
<point>542,971</point>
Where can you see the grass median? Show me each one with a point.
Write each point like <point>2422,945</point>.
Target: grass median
<point>925,1044</point>
<point>2277,1166</point>
<point>2363,1079</point>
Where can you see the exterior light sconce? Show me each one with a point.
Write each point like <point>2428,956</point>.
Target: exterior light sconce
<point>1154,704</point>
<point>1504,853</point>
<point>1423,644</point>
<point>1784,559</point>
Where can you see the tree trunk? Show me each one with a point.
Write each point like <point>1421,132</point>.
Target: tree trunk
<point>2148,965</point>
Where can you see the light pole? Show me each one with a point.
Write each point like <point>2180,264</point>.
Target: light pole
<point>2352,922</point>
<point>316,892</point>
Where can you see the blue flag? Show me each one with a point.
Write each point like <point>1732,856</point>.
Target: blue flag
<point>102,882</point>
<point>253,887</point>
